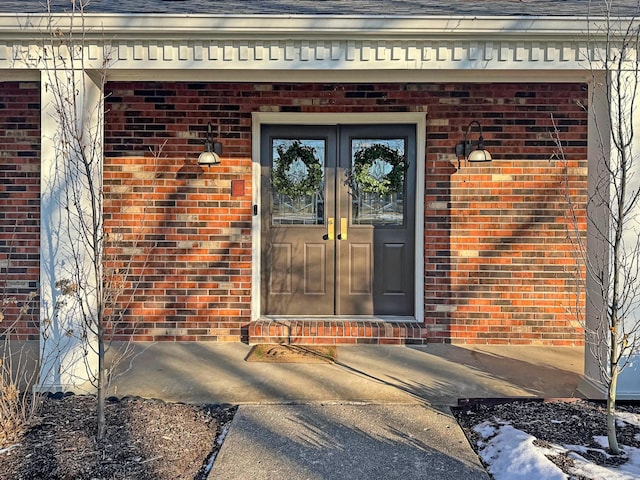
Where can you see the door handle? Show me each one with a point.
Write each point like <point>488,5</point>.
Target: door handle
<point>343,229</point>
<point>330,228</point>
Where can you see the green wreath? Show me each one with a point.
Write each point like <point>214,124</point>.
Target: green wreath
<point>362,178</point>
<point>281,179</point>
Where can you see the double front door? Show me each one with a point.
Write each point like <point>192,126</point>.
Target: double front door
<point>338,215</point>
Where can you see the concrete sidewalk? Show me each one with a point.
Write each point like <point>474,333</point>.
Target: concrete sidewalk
<point>338,441</point>
<point>378,412</point>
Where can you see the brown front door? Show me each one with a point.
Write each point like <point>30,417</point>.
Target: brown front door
<point>338,215</point>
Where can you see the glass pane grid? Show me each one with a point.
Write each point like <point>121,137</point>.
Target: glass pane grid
<point>376,181</point>
<point>305,210</point>
<point>302,200</point>
<point>373,209</point>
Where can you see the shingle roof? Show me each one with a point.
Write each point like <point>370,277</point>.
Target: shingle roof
<point>337,7</point>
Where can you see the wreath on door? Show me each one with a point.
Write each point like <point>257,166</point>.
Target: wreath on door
<point>367,174</point>
<point>282,179</point>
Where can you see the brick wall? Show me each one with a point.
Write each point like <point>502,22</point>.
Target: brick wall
<point>497,262</point>
<point>185,236</point>
<point>499,266</point>
<point>19,206</point>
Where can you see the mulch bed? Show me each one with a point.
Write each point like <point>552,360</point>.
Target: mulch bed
<point>557,422</point>
<point>146,439</point>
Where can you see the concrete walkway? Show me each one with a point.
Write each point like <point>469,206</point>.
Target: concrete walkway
<point>379,412</point>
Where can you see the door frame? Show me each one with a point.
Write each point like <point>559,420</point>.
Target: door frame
<point>419,119</point>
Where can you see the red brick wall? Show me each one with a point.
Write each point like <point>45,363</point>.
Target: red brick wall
<point>19,206</point>
<point>499,267</point>
<point>497,262</point>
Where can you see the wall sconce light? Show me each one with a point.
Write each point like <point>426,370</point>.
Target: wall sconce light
<point>212,150</point>
<point>472,151</point>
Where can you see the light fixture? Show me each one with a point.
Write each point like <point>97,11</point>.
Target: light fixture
<point>472,151</point>
<point>212,150</point>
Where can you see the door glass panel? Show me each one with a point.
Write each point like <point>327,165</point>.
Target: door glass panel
<point>376,181</point>
<point>297,181</point>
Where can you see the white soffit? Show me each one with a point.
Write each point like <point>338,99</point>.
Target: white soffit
<point>309,43</point>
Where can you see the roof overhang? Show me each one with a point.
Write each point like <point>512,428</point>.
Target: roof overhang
<point>347,26</point>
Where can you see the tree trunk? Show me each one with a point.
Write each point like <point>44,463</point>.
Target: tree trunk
<point>611,415</point>
<point>611,395</point>
<point>101,389</point>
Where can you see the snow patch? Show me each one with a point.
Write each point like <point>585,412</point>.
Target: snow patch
<point>219,441</point>
<point>623,418</point>
<point>511,455</point>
